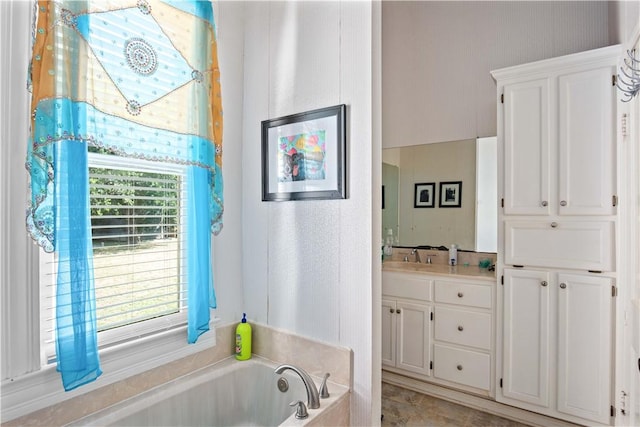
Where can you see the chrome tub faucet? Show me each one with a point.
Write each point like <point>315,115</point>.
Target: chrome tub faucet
<point>313,399</point>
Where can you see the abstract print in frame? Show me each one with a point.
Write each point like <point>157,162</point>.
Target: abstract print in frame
<point>304,156</point>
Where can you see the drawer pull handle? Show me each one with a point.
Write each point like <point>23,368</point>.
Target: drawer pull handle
<point>563,285</point>
<point>459,367</point>
<point>460,328</point>
<point>554,224</point>
<point>460,294</point>
<point>543,283</point>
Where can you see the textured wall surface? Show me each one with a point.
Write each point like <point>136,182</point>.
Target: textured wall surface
<point>437,55</point>
<point>307,265</point>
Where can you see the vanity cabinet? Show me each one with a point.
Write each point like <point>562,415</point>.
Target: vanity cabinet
<point>406,322</point>
<point>463,325</point>
<point>439,329</point>
<point>557,343</point>
<point>557,130</point>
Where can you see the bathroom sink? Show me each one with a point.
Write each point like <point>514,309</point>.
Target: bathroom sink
<point>437,269</point>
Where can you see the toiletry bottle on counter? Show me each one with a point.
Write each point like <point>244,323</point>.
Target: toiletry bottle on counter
<point>453,255</point>
<point>243,339</point>
<point>388,244</point>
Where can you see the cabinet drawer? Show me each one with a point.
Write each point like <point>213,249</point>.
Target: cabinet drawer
<point>581,245</point>
<point>463,294</point>
<point>462,366</point>
<point>463,327</point>
<point>401,285</point>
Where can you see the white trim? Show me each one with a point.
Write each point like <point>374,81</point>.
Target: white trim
<point>31,392</point>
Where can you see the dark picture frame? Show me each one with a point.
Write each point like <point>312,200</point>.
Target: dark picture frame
<point>304,156</point>
<point>424,195</point>
<point>450,194</point>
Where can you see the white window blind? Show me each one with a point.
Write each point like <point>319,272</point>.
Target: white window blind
<point>137,225</point>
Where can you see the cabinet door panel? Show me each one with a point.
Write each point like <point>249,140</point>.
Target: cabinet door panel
<point>584,346</point>
<point>586,148</point>
<point>526,336</point>
<point>462,366</point>
<point>414,343</point>
<point>403,285</point>
<point>526,148</point>
<point>461,293</point>
<point>584,245</point>
<point>463,327</point>
<point>388,332</point>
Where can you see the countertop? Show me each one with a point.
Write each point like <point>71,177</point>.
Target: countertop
<point>471,271</point>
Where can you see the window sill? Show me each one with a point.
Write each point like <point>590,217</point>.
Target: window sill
<point>38,390</point>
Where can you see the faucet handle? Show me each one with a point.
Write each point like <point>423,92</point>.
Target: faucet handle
<point>324,391</point>
<point>301,409</point>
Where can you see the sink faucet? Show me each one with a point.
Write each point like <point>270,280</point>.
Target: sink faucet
<point>313,399</point>
<point>415,252</point>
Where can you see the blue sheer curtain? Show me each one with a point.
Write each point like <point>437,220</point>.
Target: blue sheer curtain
<point>76,342</point>
<point>135,79</point>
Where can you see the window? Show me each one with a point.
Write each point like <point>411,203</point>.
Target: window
<point>137,222</point>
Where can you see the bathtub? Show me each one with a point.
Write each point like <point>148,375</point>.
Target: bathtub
<point>228,393</point>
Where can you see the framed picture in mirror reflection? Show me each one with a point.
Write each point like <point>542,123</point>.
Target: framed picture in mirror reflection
<point>450,194</point>
<point>424,195</point>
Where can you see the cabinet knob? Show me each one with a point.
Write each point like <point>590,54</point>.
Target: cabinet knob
<point>398,311</point>
<point>563,203</point>
<point>460,328</point>
<point>563,285</point>
<point>544,203</point>
<point>554,224</point>
<point>543,283</point>
<point>391,310</point>
<point>459,367</point>
<point>460,294</point>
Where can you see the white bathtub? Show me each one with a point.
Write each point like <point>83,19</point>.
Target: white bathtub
<point>229,393</point>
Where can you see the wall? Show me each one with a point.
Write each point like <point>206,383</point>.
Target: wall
<point>437,56</point>
<point>227,246</point>
<point>308,264</point>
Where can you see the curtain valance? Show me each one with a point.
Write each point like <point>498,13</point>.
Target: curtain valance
<point>134,78</point>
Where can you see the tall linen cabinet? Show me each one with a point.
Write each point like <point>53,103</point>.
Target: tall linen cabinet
<point>557,228</point>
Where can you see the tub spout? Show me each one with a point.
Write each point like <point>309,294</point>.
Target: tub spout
<point>313,399</point>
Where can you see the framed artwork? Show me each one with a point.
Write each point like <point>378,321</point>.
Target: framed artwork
<point>304,156</point>
<point>424,195</point>
<point>451,194</point>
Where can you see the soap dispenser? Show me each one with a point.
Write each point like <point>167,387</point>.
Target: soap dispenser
<point>243,339</point>
<point>388,244</point>
<point>453,254</point>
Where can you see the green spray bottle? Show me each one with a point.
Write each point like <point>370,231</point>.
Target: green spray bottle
<point>243,339</point>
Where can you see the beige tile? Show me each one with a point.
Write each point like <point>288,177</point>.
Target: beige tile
<point>402,407</point>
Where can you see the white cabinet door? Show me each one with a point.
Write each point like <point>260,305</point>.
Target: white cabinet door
<point>414,337</point>
<point>388,332</point>
<point>526,336</point>
<point>527,140</point>
<point>584,346</point>
<point>581,245</point>
<point>586,137</point>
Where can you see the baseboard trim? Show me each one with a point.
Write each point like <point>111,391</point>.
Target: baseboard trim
<point>474,402</point>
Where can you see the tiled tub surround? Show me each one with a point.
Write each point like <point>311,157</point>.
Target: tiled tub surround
<point>315,357</point>
<point>227,393</point>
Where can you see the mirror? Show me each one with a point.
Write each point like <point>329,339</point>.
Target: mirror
<point>443,193</point>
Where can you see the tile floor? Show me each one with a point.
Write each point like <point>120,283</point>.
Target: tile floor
<point>402,407</point>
